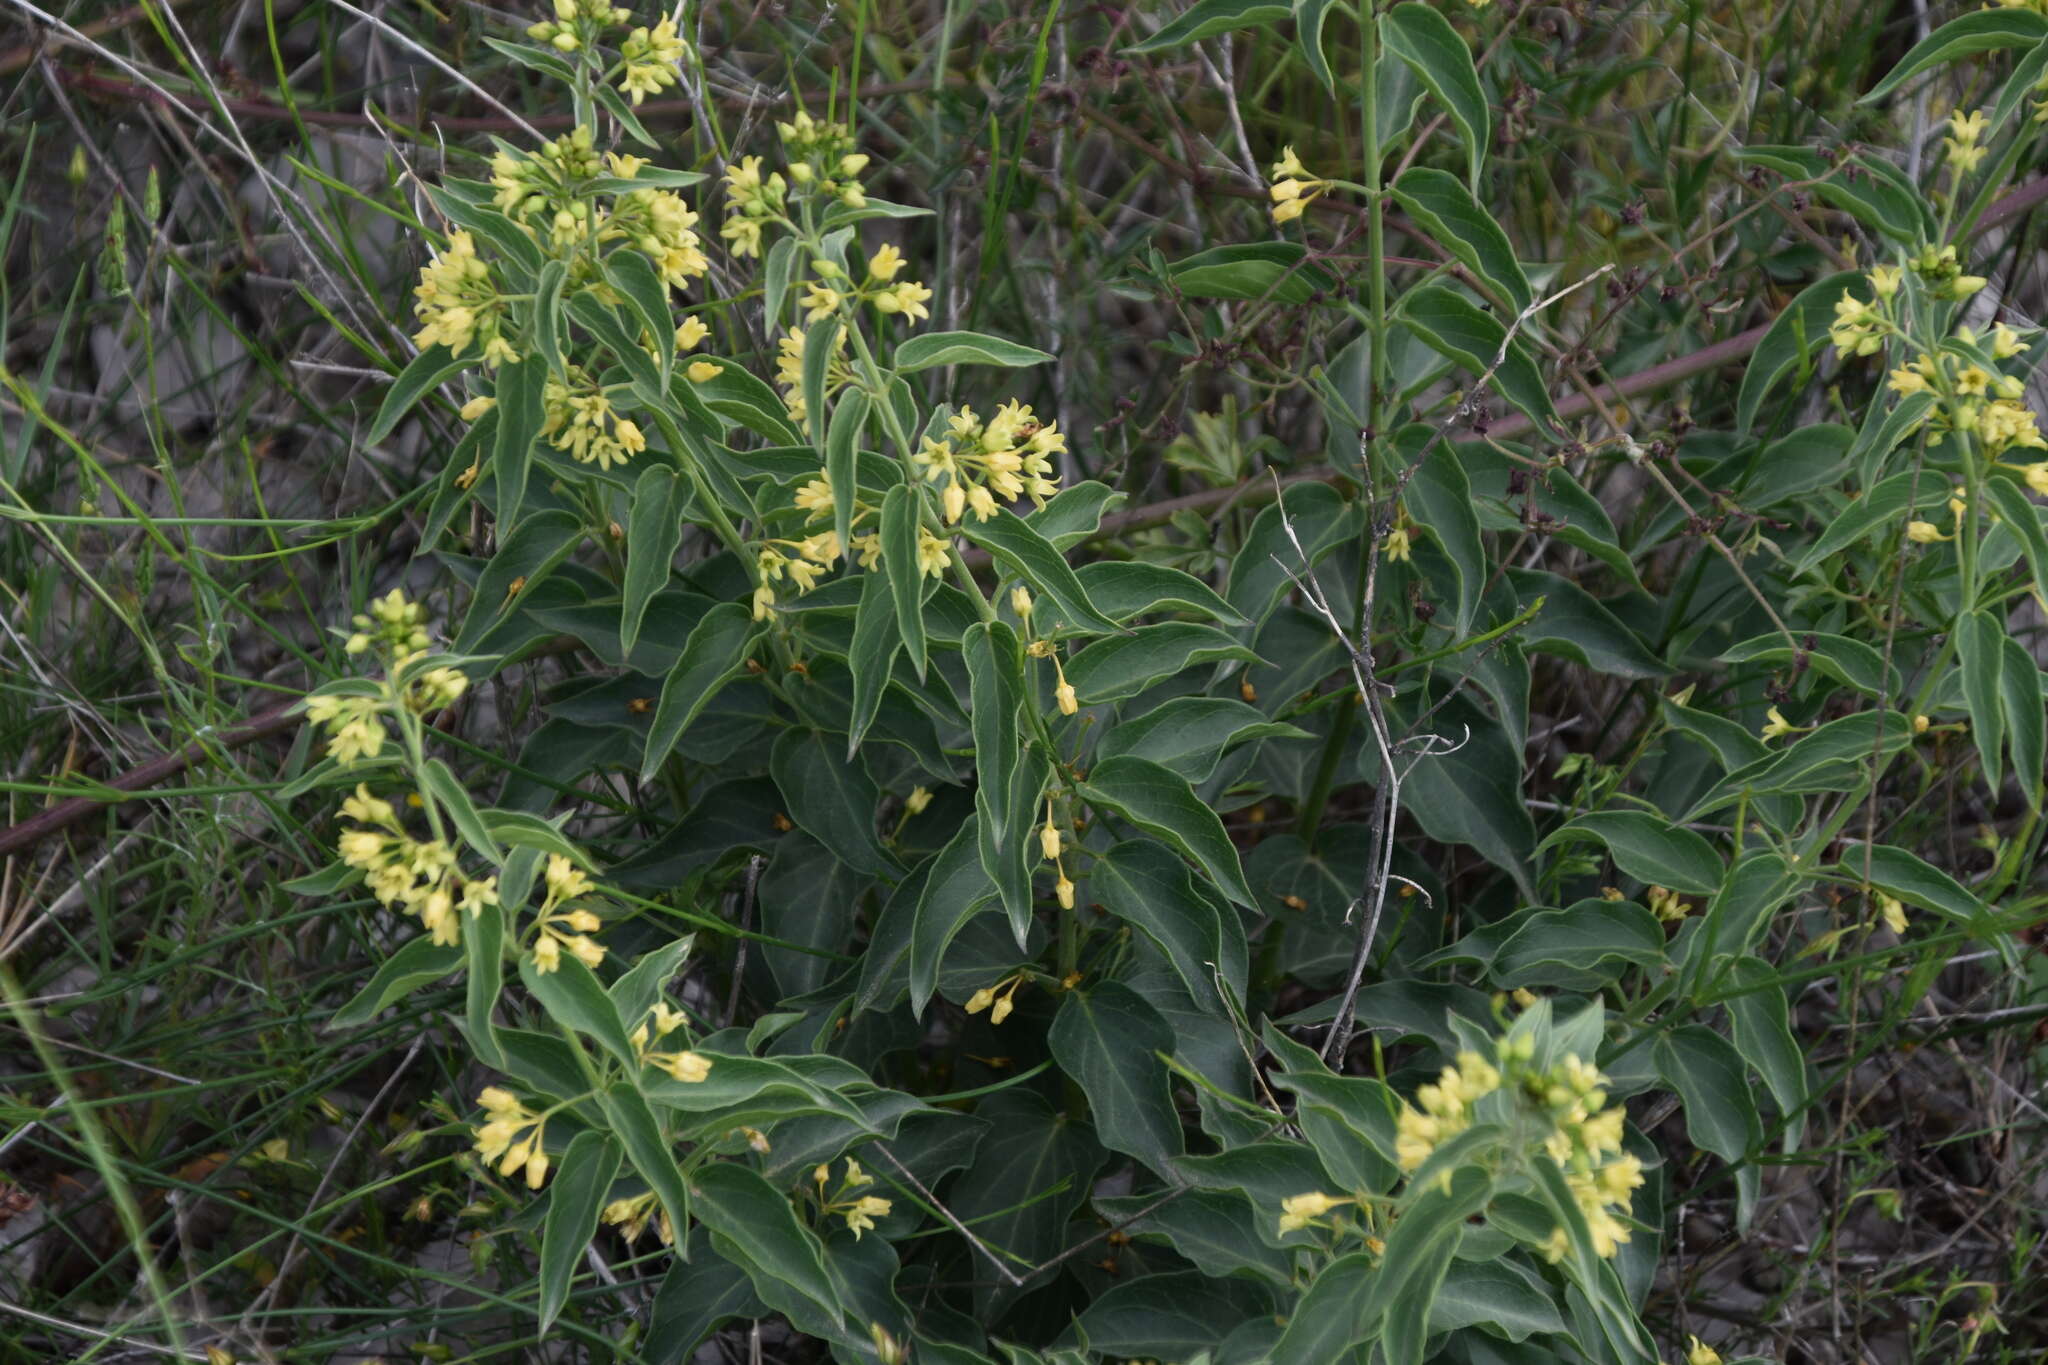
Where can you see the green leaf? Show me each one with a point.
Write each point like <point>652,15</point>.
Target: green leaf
<point>1029,1175</point>
<point>1980,649</point>
<point>1308,34</point>
<point>1917,883</point>
<point>1985,31</point>
<point>1216,1229</point>
<point>821,340</point>
<point>442,785</point>
<point>525,557</point>
<point>1794,335</point>
<point>422,374</point>
<point>1419,1251</point>
<point>782,1257</point>
<point>1030,556</point>
<point>1706,1071</point>
<point>1074,514</point>
<point>1446,210</point>
<point>1424,39</point>
<point>1206,17</point>
<point>1109,1041</point>
<point>1335,1314</point>
<point>1761,1024</point>
<point>2019,693</point>
<point>1280,271</point>
<point>1834,656</point>
<point>956,890</point>
<point>582,1178</point>
<point>417,963</point>
<point>1008,782</point>
<point>520,389</point>
<point>808,897</point>
<point>1440,499</point>
<point>633,1123</point>
<point>1649,848</point>
<point>646,293</point>
<point>1878,507</point>
<point>842,461</point>
<point>872,655</point>
<point>1178,1315</point>
<point>714,655</point>
<point>1817,762</point>
<point>1159,801</point>
<point>1148,888</point>
<point>1473,794</point>
<point>899,562</point>
<point>928,350</point>
<point>1122,589</point>
<point>547,314</point>
<point>698,1294</point>
<point>1883,429</point>
<point>574,998</point>
<point>1499,1296</point>
<point>1259,571</point>
<point>635,992</point>
<point>654,528</point>
<point>1852,184</point>
<point>1462,332</point>
<point>830,799</point>
<point>1125,665</point>
<point>1581,947</point>
<point>483,949</point>
<point>1190,735</point>
<point>1576,625</point>
<point>2018,516</point>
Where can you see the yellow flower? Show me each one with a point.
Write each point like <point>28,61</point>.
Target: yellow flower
<point>1064,698</point>
<point>862,1213</point>
<point>703,370</point>
<point>919,798</point>
<point>692,331</point>
<point>1923,532</point>
<point>932,554</point>
<point>884,264</point>
<point>1292,188</point>
<point>2005,342</point>
<point>1884,279</point>
<point>1893,913</point>
<point>1666,905</point>
<point>477,407</point>
<point>1020,602</point>
<point>1299,1210</point>
<point>1906,381</point>
<point>1971,380</point>
<point>1776,726</point>
<point>1049,841</point>
<point>688,1067</point>
<point>1398,545</point>
<point>1063,890</point>
<point>1699,1353</point>
<point>2036,476</point>
<point>1920,724</point>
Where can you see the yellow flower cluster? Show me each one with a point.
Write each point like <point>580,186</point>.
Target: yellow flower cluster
<point>1007,457</point>
<point>881,290</point>
<point>1943,272</point>
<point>511,1136</point>
<point>550,189</point>
<point>686,1066</point>
<point>1293,188</point>
<point>457,304</point>
<point>752,201</point>
<point>632,1214</point>
<point>650,57</point>
<point>1667,905</point>
<point>559,928</point>
<point>1443,1110</point>
<point>822,158</point>
<point>417,876</point>
<point>998,999</point>
<point>1963,146</point>
<point>1300,1210</point>
<point>859,1211</point>
<point>576,23</point>
<point>578,417</point>
<point>355,725</point>
<point>662,224</point>
<point>1586,1143</point>
<point>1973,399</point>
<point>546,182</point>
<point>789,370</point>
<point>392,623</point>
<point>1858,328</point>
